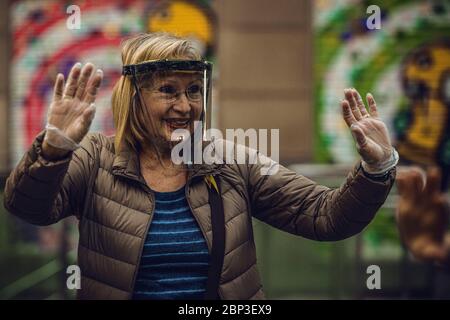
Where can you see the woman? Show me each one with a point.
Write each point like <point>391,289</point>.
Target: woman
<point>146,226</point>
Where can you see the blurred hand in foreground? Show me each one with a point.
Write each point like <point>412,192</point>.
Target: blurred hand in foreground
<point>423,214</point>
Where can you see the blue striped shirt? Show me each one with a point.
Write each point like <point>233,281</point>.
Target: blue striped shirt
<point>174,262</point>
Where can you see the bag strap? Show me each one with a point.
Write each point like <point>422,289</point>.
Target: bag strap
<point>218,240</point>
<point>90,186</point>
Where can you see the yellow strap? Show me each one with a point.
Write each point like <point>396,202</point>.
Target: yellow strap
<point>210,180</point>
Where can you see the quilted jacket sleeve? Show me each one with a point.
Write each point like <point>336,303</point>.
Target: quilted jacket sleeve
<point>43,192</point>
<point>295,204</point>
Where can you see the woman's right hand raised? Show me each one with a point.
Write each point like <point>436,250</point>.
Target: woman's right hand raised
<point>72,109</point>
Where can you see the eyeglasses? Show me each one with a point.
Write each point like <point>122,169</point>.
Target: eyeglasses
<point>169,93</point>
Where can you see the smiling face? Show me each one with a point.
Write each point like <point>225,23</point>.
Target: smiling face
<point>173,101</point>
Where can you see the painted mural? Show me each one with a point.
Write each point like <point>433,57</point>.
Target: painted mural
<point>405,64</point>
<point>44,45</point>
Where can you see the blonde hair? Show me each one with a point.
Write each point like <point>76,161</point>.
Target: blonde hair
<point>130,123</point>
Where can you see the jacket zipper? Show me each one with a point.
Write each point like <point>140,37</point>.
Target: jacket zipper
<point>152,197</point>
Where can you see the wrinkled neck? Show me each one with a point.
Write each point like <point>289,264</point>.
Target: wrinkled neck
<point>156,157</point>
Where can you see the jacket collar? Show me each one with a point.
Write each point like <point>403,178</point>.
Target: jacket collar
<point>126,164</point>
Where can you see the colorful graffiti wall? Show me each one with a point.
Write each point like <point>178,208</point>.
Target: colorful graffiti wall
<point>44,45</point>
<point>405,64</point>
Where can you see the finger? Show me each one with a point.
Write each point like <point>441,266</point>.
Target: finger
<point>59,87</point>
<point>359,135</point>
<point>84,78</point>
<point>433,185</point>
<point>410,182</point>
<point>372,105</point>
<point>353,106</point>
<point>404,189</point>
<point>72,80</point>
<point>359,102</point>
<point>94,84</point>
<point>401,181</point>
<point>347,113</point>
<point>88,115</point>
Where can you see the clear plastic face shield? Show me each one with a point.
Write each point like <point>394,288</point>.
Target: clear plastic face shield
<point>173,96</point>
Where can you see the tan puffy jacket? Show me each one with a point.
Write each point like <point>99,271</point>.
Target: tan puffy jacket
<point>113,233</point>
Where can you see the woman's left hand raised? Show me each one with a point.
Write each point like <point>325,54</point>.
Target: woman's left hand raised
<point>370,132</point>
